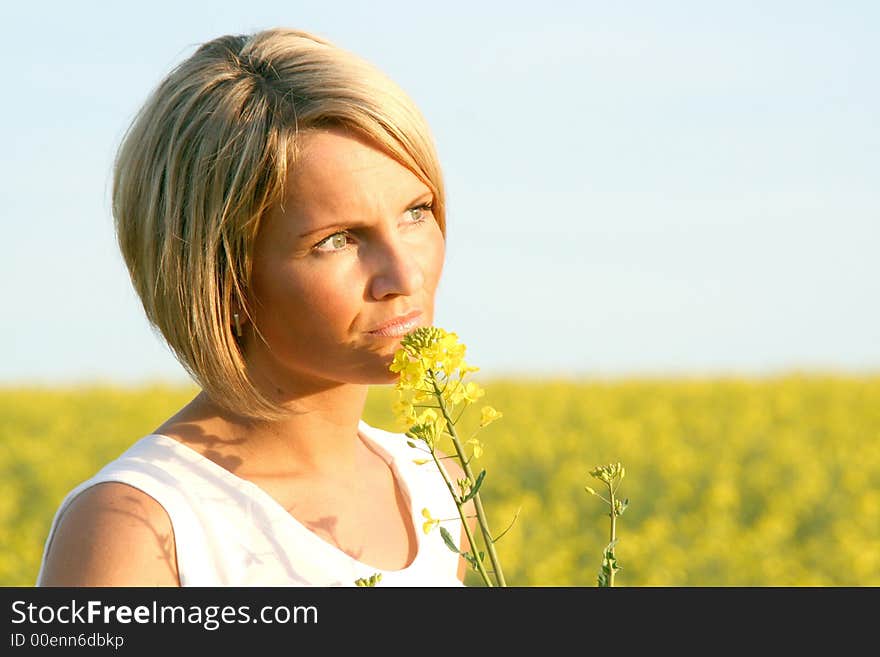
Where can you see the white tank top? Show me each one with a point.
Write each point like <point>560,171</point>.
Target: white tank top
<point>230,532</point>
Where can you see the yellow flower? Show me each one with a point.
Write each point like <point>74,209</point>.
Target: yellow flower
<point>412,375</point>
<point>454,353</point>
<point>429,415</point>
<point>473,392</point>
<point>404,411</point>
<point>430,523</point>
<point>432,357</point>
<point>489,415</point>
<point>469,392</point>
<point>401,360</point>
<point>478,447</point>
<point>449,340</point>
<point>422,395</point>
<point>427,427</point>
<point>434,349</point>
<point>402,424</point>
<point>411,369</point>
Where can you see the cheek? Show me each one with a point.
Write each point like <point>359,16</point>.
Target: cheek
<point>308,304</point>
<point>436,257</point>
<point>321,300</point>
<point>433,252</point>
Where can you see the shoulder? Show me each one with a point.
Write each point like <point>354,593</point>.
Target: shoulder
<point>111,534</point>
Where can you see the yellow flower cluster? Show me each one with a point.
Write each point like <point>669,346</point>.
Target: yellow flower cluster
<point>431,364</point>
<point>428,348</point>
<point>608,473</point>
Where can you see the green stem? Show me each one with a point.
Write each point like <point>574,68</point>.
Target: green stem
<point>478,504</point>
<point>613,534</point>
<point>464,522</point>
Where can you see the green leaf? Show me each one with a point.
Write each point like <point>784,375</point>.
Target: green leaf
<point>475,488</point>
<point>447,538</point>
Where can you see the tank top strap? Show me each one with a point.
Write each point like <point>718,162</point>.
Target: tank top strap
<point>428,491</point>
<point>151,468</point>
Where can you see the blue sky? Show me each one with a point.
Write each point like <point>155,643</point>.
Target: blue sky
<point>639,188</point>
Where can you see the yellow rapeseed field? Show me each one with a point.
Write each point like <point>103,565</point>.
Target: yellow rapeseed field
<point>731,482</point>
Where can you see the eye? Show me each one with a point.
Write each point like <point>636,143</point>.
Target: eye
<point>421,211</point>
<point>338,241</point>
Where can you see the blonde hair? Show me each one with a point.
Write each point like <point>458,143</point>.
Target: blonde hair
<point>208,155</point>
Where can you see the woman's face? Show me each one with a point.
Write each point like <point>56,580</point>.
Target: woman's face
<point>351,248</point>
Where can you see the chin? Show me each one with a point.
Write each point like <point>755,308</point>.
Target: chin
<point>371,371</point>
<point>387,376</point>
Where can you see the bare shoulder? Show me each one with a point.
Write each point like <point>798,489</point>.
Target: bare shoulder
<point>112,534</point>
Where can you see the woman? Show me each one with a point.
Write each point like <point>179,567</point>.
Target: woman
<point>280,208</point>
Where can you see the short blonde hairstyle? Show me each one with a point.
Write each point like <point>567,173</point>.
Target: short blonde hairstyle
<point>205,159</point>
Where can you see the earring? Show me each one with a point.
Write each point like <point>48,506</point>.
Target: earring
<point>237,324</point>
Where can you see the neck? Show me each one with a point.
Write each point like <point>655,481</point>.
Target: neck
<point>318,438</point>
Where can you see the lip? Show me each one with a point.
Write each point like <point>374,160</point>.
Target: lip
<point>399,325</point>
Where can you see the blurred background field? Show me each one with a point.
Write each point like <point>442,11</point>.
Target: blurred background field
<point>732,481</point>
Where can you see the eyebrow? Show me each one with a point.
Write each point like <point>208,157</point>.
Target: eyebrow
<point>351,224</point>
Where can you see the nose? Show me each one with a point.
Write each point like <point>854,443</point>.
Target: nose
<point>397,270</point>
